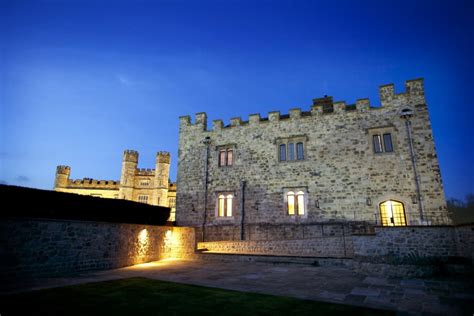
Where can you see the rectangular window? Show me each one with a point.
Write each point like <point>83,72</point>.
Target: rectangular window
<point>282,152</point>
<point>224,205</point>
<point>377,144</point>
<point>292,148</point>
<point>230,157</point>
<point>226,157</point>
<point>387,142</point>
<point>143,198</point>
<point>291,151</point>
<point>222,157</point>
<point>299,151</point>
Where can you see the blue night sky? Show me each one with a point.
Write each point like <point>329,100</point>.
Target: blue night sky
<point>80,81</point>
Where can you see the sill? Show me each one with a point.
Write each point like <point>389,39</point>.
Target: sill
<point>384,153</point>
<point>291,161</point>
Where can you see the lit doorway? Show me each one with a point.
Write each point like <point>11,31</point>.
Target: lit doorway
<point>392,213</point>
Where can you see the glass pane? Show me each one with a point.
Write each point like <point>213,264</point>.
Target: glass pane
<point>387,142</point>
<point>291,151</point>
<point>377,144</point>
<point>222,158</point>
<point>398,214</point>
<point>229,205</point>
<point>385,214</point>
<point>299,151</point>
<point>291,203</point>
<point>230,157</point>
<point>300,197</point>
<point>221,205</point>
<point>282,152</point>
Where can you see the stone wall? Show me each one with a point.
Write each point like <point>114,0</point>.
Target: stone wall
<point>465,241</point>
<point>416,242</point>
<point>326,247</point>
<point>341,176</point>
<point>32,247</point>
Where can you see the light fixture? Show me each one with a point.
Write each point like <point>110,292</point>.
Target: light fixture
<point>317,203</point>
<point>369,201</point>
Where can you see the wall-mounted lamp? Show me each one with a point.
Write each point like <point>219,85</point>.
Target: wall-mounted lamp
<point>317,203</point>
<point>369,201</point>
<point>414,199</point>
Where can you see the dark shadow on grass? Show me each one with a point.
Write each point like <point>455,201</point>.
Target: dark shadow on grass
<point>141,296</point>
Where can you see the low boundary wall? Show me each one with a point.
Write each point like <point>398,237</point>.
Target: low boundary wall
<point>39,247</point>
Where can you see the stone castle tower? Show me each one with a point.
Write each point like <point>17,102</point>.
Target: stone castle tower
<point>266,176</point>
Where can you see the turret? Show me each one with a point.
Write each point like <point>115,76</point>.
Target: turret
<point>129,165</point>
<point>62,176</point>
<point>162,174</point>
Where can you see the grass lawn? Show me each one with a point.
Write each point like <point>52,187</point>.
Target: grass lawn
<point>141,296</point>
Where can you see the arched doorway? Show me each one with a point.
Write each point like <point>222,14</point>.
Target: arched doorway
<point>392,213</point>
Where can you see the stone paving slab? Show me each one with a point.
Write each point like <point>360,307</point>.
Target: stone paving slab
<point>330,284</point>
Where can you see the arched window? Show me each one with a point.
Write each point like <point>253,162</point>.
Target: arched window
<point>221,205</point>
<point>300,202</point>
<point>291,202</point>
<point>392,213</point>
<point>295,203</point>
<point>224,205</point>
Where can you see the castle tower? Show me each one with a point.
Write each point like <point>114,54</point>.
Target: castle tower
<point>62,176</point>
<point>127,177</point>
<point>162,174</point>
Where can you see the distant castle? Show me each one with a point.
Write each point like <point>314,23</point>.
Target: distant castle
<point>151,186</point>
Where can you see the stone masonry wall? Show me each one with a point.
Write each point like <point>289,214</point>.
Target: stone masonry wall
<point>32,247</point>
<point>340,172</point>
<point>332,247</point>
<point>415,242</point>
<point>465,241</point>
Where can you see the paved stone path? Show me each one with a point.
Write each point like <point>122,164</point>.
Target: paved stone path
<point>331,284</point>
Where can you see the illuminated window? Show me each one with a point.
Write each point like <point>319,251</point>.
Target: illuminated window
<point>382,142</point>
<point>392,213</point>
<point>291,149</point>
<point>295,203</point>
<point>224,205</point>
<point>226,157</point>
<point>143,198</point>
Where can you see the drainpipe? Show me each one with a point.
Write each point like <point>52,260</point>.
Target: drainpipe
<point>207,142</point>
<point>406,114</point>
<point>242,209</point>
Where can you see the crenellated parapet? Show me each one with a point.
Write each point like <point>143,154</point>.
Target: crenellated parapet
<point>88,183</point>
<point>145,172</point>
<point>66,170</point>
<point>414,94</point>
<point>163,157</point>
<point>130,156</point>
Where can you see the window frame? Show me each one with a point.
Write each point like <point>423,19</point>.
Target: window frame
<point>291,146</point>
<point>298,195</point>
<point>380,133</point>
<point>225,199</point>
<point>223,154</point>
<point>143,198</point>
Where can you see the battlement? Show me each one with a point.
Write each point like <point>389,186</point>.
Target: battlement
<point>63,170</point>
<point>163,157</point>
<point>414,94</point>
<point>130,156</point>
<point>90,183</point>
<point>145,172</point>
